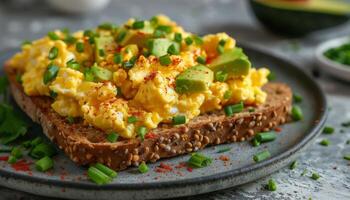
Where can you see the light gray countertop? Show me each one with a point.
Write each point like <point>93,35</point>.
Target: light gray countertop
<point>204,16</point>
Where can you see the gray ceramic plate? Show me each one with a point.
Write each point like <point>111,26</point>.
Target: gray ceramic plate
<point>69,181</point>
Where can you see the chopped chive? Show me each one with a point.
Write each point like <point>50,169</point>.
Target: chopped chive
<point>178,37</point>
<point>26,42</point>
<point>132,119</point>
<point>117,58</point>
<point>271,185</point>
<point>50,73</point>
<point>198,40</point>
<point>228,94</point>
<point>143,168</point>
<point>36,141</point>
<point>106,170</point>
<point>53,53</point>
<point>158,33</point>
<point>199,160</point>
<point>70,119</point>
<point>88,33</point>
<point>261,156</point>
<point>164,28</point>
<point>97,176</point>
<point>112,137</point>
<point>272,76</point>
<point>297,113</point>
<point>325,142</point>
<point>154,20</point>
<point>221,76</point>
<point>16,152</point>
<point>138,25</point>
<point>255,142</point>
<point>79,46</point>
<point>222,42</point>
<point>220,49</point>
<point>188,40</point>
<point>179,119</point>
<point>130,63</point>
<point>70,39</point>
<point>266,136</point>
<point>26,144</point>
<point>251,109</point>
<point>141,131</point>
<point>304,172</point>
<point>328,130</point>
<point>223,150</point>
<point>5,150</point>
<point>53,35</point>
<point>119,91</point>
<point>42,150</point>
<point>106,26</point>
<point>101,52</point>
<point>73,64</point>
<point>173,50</point>
<point>236,108</point>
<point>315,176</point>
<point>44,164</point>
<point>293,165</point>
<point>297,98</point>
<point>348,142</point>
<point>165,60</point>
<point>12,159</point>
<point>121,36</point>
<point>346,124</point>
<point>201,60</point>
<point>347,157</point>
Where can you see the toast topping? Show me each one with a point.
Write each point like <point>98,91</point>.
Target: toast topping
<point>152,71</point>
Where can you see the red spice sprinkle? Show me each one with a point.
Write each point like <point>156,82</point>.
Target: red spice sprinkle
<point>181,165</point>
<point>21,165</point>
<point>278,129</point>
<point>30,173</point>
<point>189,169</point>
<point>62,177</point>
<point>4,158</point>
<point>165,166</point>
<point>224,158</point>
<point>150,135</point>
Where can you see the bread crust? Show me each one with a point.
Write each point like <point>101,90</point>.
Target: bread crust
<point>86,144</point>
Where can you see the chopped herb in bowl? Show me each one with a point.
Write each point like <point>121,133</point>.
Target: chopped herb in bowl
<point>340,54</point>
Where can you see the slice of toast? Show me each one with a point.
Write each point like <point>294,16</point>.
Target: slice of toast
<point>86,144</point>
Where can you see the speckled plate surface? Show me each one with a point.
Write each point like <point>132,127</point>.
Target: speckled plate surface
<point>67,180</point>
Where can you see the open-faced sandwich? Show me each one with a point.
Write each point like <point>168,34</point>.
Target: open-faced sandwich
<point>142,91</point>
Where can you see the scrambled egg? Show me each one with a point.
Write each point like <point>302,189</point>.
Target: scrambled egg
<point>130,81</point>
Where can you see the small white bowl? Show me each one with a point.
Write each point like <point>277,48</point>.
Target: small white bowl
<point>334,68</point>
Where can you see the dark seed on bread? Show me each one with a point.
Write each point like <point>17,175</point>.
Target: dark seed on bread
<point>85,144</point>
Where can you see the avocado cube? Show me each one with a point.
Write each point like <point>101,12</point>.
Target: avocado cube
<point>234,62</point>
<point>101,74</point>
<point>194,79</point>
<point>159,47</point>
<point>102,43</point>
<point>138,37</point>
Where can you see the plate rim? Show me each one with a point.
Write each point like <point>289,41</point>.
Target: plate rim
<point>322,114</point>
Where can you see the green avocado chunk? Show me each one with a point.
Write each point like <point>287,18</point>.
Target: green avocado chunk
<point>234,63</point>
<point>195,79</point>
<point>101,44</point>
<point>159,47</point>
<point>138,37</point>
<point>101,74</point>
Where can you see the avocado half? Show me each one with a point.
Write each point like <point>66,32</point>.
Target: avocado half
<point>300,17</point>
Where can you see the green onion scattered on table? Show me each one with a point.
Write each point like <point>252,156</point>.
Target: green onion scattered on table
<point>261,156</point>
<point>271,185</point>
<point>143,168</point>
<point>106,170</point>
<point>266,136</point>
<point>199,160</point>
<point>97,176</point>
<point>325,142</point>
<point>328,130</point>
<point>347,157</point>
<point>293,165</point>
<point>315,176</point>
<point>297,113</point>
<point>223,150</point>
<point>44,164</point>
<point>297,98</point>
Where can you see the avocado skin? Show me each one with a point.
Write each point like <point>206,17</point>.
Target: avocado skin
<point>195,79</point>
<point>295,23</point>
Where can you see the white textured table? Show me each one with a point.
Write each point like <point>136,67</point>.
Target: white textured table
<point>204,16</point>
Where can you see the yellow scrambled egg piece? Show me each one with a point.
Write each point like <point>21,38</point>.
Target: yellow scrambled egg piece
<point>129,82</point>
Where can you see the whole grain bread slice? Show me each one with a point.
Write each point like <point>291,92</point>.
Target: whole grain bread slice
<point>86,144</point>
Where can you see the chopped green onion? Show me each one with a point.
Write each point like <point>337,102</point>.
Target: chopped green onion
<point>141,131</point>
<point>143,168</point>
<point>12,159</point>
<point>159,33</point>
<point>138,25</point>
<point>221,76</point>
<point>154,20</point>
<point>347,157</point>
<point>266,136</point>
<point>106,26</point>
<point>53,36</point>
<point>73,64</point>
<point>53,53</point>
<point>132,119</point>
<point>231,109</point>
<point>88,33</point>
<point>5,150</point>
<point>222,42</point>
<point>199,160</point>
<point>261,156</point>
<point>79,46</point>
<point>42,150</point>
<point>106,170</point>
<point>271,185</point>
<point>164,28</point>
<point>224,150</point>
<point>325,142</point>
<point>117,58</point>
<point>251,109</point>
<point>178,37</point>
<point>201,60</point>
<point>44,164</point>
<point>119,91</point>
<point>297,113</point>
<point>293,165</point>
<point>304,172</point>
<point>130,63</point>
<point>26,144</point>
<point>36,141</point>
<point>297,98</point>
<point>70,39</point>
<point>228,94</point>
<point>346,124</point>
<point>165,60</point>
<point>70,119</point>
<point>101,52</point>
<point>315,176</point>
<point>328,130</point>
<point>179,119</point>
<point>97,176</point>
<point>173,50</point>
<point>255,142</point>
<point>112,137</point>
<point>198,40</point>
<point>220,49</point>
<point>121,36</point>
<point>272,76</point>
<point>188,40</point>
<point>50,74</point>
<point>16,152</point>
<point>26,42</point>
